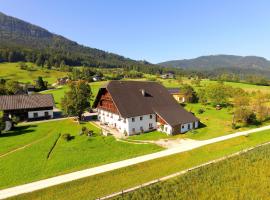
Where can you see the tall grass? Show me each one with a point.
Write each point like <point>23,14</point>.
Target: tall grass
<point>241,177</point>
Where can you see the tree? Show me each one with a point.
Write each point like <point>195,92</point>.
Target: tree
<point>242,111</point>
<point>189,93</point>
<point>12,87</point>
<point>219,93</point>
<point>196,81</point>
<point>76,100</point>
<point>259,105</point>
<point>202,95</point>
<point>40,84</point>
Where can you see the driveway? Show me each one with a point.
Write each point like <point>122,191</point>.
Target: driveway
<point>30,187</point>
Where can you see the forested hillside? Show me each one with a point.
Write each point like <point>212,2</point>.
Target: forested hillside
<point>217,64</point>
<point>22,41</point>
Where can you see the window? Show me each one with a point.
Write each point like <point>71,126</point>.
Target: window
<point>141,129</point>
<point>46,114</point>
<point>35,115</point>
<point>188,126</point>
<point>151,116</point>
<point>141,118</point>
<point>133,119</point>
<point>165,129</point>
<point>183,126</point>
<point>150,125</point>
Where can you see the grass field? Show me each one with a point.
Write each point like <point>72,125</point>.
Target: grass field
<point>107,183</point>
<point>59,93</point>
<point>242,177</point>
<point>245,86</point>
<point>11,71</point>
<point>31,163</point>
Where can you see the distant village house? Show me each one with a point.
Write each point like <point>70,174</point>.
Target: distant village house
<point>177,94</point>
<point>134,107</point>
<point>168,76</point>
<point>62,81</point>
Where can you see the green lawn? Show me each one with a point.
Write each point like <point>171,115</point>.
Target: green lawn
<point>241,177</point>
<point>154,135</point>
<point>58,94</point>
<point>245,86</point>
<point>11,71</point>
<point>31,163</point>
<point>114,181</point>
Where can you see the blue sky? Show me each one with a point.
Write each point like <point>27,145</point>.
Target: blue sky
<point>154,30</point>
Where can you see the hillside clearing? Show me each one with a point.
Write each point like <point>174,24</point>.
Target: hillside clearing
<point>11,71</point>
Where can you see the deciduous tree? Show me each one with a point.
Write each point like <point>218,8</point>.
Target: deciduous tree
<point>76,100</point>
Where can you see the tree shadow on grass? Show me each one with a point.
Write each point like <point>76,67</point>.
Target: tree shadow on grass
<point>20,130</point>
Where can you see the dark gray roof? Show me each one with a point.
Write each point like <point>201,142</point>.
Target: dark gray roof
<point>173,90</point>
<point>130,101</point>
<point>17,102</point>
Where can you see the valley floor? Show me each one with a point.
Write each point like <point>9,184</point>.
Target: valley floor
<point>225,142</point>
<point>245,176</point>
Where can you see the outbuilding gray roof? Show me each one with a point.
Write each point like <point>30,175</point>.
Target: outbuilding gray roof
<point>136,98</point>
<point>17,102</point>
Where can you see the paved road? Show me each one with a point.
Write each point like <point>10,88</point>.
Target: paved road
<point>30,187</point>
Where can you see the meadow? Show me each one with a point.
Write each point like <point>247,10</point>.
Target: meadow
<point>242,177</point>
<point>32,162</point>
<point>11,71</point>
<point>103,184</point>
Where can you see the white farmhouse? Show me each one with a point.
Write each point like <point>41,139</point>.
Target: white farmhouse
<point>134,107</point>
<point>27,107</point>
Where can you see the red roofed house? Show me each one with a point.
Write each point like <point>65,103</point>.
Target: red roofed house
<point>133,107</point>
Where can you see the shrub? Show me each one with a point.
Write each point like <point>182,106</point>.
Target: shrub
<point>201,111</point>
<point>67,137</point>
<point>86,131</point>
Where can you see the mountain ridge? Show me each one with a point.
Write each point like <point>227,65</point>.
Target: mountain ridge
<point>220,61</point>
<point>19,35</point>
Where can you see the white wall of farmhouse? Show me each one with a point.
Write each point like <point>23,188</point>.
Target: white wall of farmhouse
<point>142,123</point>
<point>189,126</point>
<point>112,120</point>
<point>40,113</point>
<point>166,129</point>
<point>133,125</point>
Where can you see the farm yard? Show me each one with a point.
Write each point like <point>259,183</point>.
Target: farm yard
<point>101,185</point>
<point>239,177</point>
<point>41,159</point>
